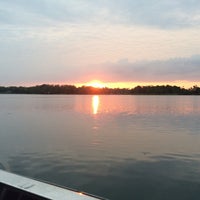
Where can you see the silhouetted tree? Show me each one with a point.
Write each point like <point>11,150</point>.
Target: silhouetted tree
<point>71,89</point>
<point>195,90</point>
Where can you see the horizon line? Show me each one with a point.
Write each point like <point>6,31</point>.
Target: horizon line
<point>84,85</point>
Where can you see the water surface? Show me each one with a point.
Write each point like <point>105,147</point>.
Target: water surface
<point>118,147</point>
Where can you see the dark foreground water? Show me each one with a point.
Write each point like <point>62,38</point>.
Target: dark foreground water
<point>118,147</point>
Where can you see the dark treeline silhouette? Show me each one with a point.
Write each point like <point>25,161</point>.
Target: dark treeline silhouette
<point>71,89</point>
<point>161,90</point>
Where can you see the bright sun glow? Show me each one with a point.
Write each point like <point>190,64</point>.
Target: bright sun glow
<point>96,84</point>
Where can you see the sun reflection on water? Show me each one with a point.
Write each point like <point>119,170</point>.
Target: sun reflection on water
<point>95,104</point>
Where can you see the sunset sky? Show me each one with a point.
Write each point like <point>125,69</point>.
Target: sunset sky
<point>122,43</point>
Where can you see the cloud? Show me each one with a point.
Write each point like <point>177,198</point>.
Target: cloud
<point>50,40</point>
<point>165,14</point>
<point>48,12</point>
<point>42,70</point>
<point>154,71</point>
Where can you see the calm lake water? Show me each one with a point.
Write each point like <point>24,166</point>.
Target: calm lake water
<point>118,147</point>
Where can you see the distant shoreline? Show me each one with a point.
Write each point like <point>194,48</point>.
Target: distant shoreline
<point>71,89</point>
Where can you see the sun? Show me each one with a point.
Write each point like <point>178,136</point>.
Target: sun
<point>96,84</point>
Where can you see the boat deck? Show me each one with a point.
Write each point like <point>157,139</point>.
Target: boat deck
<point>15,187</point>
<point>11,193</point>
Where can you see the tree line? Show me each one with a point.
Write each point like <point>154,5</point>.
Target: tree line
<point>71,89</point>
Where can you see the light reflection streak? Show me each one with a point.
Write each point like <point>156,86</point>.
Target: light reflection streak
<point>95,104</point>
<point>136,105</point>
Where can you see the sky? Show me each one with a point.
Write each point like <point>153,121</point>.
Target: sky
<point>122,43</point>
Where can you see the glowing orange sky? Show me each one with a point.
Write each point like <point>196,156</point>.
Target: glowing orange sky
<point>185,84</point>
